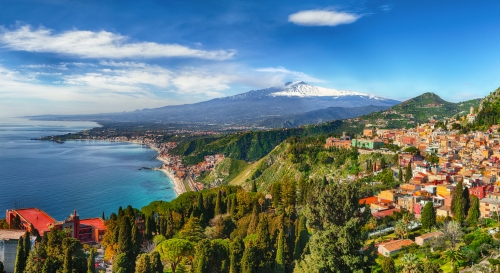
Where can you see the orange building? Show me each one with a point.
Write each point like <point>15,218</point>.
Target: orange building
<point>85,230</point>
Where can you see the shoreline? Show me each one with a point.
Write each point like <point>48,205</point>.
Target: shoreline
<point>179,187</point>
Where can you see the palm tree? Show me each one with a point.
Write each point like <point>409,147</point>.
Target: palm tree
<point>454,256</point>
<point>400,229</point>
<point>411,263</point>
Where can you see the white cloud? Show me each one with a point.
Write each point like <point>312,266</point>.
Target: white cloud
<point>284,75</point>
<point>322,18</point>
<point>102,44</point>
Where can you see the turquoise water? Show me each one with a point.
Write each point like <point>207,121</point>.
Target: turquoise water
<point>89,176</point>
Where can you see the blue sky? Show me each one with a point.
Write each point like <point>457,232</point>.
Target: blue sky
<point>61,57</point>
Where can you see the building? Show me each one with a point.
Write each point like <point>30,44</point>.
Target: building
<point>338,143</point>
<point>85,230</point>
<point>421,240</point>
<point>389,248</point>
<point>9,239</point>
<point>488,207</point>
<point>367,144</point>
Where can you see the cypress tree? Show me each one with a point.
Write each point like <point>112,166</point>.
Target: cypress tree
<point>143,264</point>
<point>148,235</point>
<point>156,265</point>
<point>218,204</point>
<point>200,207</point>
<point>236,249</point>
<point>91,261</point>
<point>254,221</point>
<point>136,240</point>
<point>125,245</point>
<point>428,218</point>
<point>249,262</point>
<point>120,212</point>
<point>473,215</point>
<point>458,203</point>
<point>466,199</point>
<point>233,206</point>
<point>16,223</point>
<point>2,268</point>
<point>19,265</point>
<point>382,163</point>
<point>408,173</point>
<point>35,233</point>
<point>302,238</point>
<point>279,266</point>
<point>103,218</point>
<point>27,246</point>
<point>67,263</point>
<point>400,174</point>
<point>254,186</point>
<point>169,225</point>
<point>263,244</point>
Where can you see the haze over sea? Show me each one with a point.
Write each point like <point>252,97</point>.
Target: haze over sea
<point>89,176</point>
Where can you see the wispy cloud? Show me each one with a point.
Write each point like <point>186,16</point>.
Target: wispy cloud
<point>101,44</point>
<point>289,75</point>
<point>322,18</point>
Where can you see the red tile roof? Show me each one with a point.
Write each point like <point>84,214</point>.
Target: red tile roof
<point>96,222</point>
<point>384,213</point>
<point>368,200</point>
<point>37,217</point>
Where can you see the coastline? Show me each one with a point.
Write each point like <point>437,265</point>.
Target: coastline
<point>179,187</point>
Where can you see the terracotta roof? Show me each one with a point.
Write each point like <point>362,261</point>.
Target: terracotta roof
<point>368,200</point>
<point>384,213</point>
<point>396,245</point>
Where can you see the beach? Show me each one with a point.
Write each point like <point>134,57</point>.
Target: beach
<point>179,187</point>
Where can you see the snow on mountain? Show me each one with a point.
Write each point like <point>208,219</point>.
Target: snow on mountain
<point>301,89</point>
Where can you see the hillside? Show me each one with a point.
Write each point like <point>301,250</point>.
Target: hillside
<point>489,110</point>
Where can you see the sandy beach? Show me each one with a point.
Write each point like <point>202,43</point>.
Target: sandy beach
<point>178,184</point>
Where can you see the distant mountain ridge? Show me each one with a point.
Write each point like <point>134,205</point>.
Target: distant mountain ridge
<point>250,108</point>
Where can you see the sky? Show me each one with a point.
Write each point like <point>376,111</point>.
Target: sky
<point>78,57</point>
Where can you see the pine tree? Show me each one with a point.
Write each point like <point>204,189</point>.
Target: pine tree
<point>302,238</point>
<point>156,265</point>
<point>91,261</point>
<point>458,203</point>
<point>474,213</point>
<point>428,217</point>
<point>236,249</point>
<point>19,265</point>
<point>279,266</point>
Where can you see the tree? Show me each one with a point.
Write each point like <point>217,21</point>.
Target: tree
<point>20,257</point>
<point>254,221</point>
<point>473,214</point>
<point>16,222</point>
<point>431,267</point>
<point>249,262</point>
<point>428,217</point>
<point>408,173</point>
<point>388,265</point>
<point>27,246</point>
<point>121,263</point>
<point>400,229</point>
<point>279,266</point>
<point>453,255</point>
<point>192,231</point>
<point>2,268</point>
<point>458,203</point>
<point>338,241</point>
<point>264,244</point>
<point>91,261</point>
<point>236,249</point>
<point>218,203</point>
<point>125,244</point>
<point>174,251</point>
<point>254,186</point>
<point>400,174</point>
<point>156,265</point>
<point>143,264</point>
<point>411,263</point>
<point>466,198</point>
<point>302,238</point>
<point>452,232</point>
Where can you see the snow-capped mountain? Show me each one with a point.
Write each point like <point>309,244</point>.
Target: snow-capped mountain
<point>255,106</point>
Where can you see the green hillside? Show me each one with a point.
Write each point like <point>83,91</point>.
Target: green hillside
<point>489,110</point>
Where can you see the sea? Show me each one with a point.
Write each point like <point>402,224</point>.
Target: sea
<point>90,177</point>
